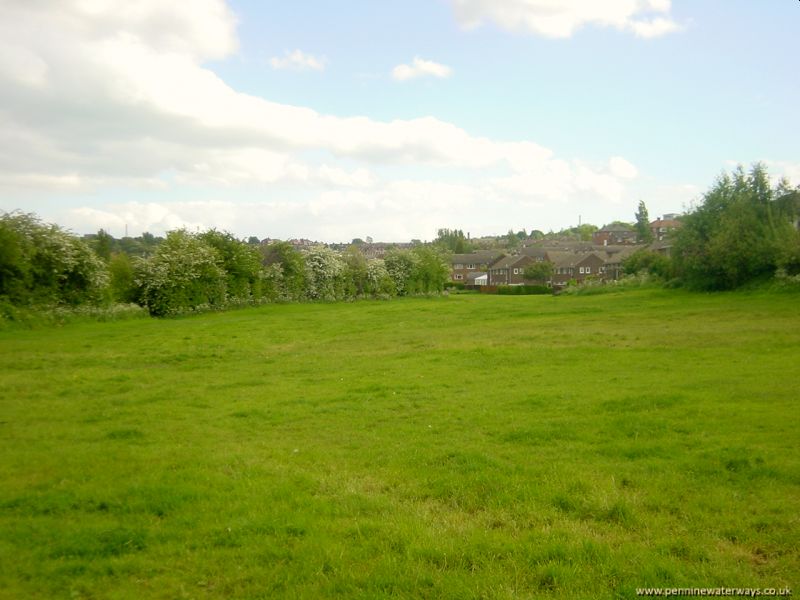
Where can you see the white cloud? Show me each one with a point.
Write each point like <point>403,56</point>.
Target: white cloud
<point>619,167</point>
<point>298,61</point>
<point>421,68</point>
<point>779,169</point>
<point>118,97</point>
<point>654,27</point>
<point>562,18</point>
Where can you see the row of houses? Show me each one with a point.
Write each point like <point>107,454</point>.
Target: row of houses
<point>622,234</point>
<point>570,261</point>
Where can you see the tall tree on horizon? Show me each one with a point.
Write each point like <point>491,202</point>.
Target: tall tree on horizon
<point>643,224</point>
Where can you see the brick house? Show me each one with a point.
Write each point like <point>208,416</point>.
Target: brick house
<point>509,270</point>
<point>579,267</point>
<point>615,234</point>
<point>463,265</point>
<point>662,228</point>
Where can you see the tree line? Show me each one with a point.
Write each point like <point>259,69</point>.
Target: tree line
<point>743,230</point>
<point>43,265</point>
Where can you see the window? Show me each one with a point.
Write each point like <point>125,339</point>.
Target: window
<point>588,270</point>
<point>458,266</point>
<point>516,271</point>
<point>459,276</point>
<point>581,270</point>
<point>470,265</point>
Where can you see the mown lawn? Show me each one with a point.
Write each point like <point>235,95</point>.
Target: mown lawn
<point>470,446</point>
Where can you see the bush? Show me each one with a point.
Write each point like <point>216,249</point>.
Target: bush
<point>740,233</point>
<point>183,275</point>
<point>45,265</point>
<point>523,290</point>
<point>650,262</point>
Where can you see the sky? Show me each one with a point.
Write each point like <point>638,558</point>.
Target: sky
<point>340,120</point>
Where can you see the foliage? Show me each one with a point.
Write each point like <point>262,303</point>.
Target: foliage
<point>103,245</point>
<point>122,283</point>
<point>539,271</point>
<point>240,261</point>
<point>523,290</point>
<point>650,262</point>
<point>643,232</point>
<point>453,240</point>
<point>324,274</point>
<point>740,232</point>
<point>356,282</point>
<point>43,264</point>
<point>431,270</point>
<point>292,280</point>
<point>401,266</point>
<point>184,274</point>
<point>379,282</point>
<point>581,233</point>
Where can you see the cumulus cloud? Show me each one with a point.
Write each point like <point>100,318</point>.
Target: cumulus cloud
<point>562,18</point>
<point>421,68</point>
<point>299,61</point>
<point>619,167</point>
<point>116,95</point>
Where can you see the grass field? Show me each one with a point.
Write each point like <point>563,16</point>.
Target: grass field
<point>470,446</point>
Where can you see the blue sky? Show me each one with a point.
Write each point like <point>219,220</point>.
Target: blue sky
<point>390,120</point>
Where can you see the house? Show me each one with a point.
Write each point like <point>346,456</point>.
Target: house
<point>509,270</point>
<point>477,278</point>
<point>663,247</point>
<point>618,233</point>
<point>569,266</point>
<point>614,257</point>
<point>462,265</point>
<point>661,228</point>
<point>537,253</point>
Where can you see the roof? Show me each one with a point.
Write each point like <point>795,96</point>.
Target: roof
<point>535,252</point>
<point>506,262</point>
<point>666,223</point>
<point>475,275</point>
<point>619,253</point>
<point>481,256</point>
<point>563,259</point>
<point>617,228</point>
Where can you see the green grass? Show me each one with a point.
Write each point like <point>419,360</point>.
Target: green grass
<point>471,446</point>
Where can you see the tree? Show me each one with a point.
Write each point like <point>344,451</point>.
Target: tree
<point>379,282</point>
<point>184,273</point>
<point>123,288</point>
<point>240,261</point>
<point>740,232</point>
<point>324,274</point>
<point>650,262</point>
<point>44,264</point>
<point>103,244</point>
<point>401,265</point>
<point>355,272</point>
<point>431,270</point>
<point>453,240</point>
<point>290,276</point>
<point>512,240</point>
<point>643,224</point>
<point>539,271</point>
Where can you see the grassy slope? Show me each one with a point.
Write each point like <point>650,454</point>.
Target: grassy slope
<point>448,448</point>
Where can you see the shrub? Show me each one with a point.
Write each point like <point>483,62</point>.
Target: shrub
<point>523,290</point>
<point>44,264</point>
<point>183,275</point>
